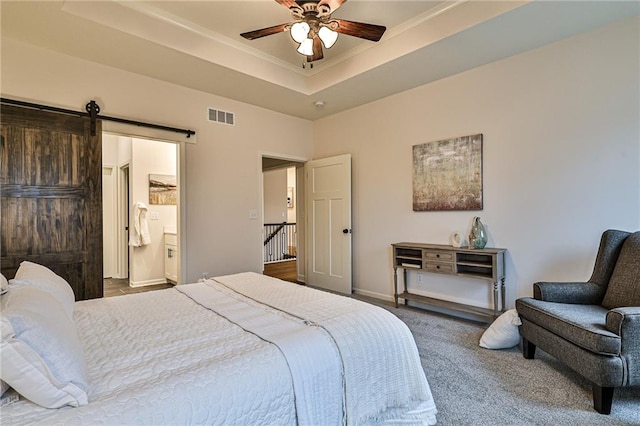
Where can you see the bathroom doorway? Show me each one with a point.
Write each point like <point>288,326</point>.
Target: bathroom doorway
<point>140,213</point>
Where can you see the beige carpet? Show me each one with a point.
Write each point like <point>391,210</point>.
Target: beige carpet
<point>476,386</point>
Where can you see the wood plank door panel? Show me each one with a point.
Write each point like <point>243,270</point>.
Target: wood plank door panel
<point>51,196</point>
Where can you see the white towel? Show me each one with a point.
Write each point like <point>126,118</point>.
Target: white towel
<point>140,235</point>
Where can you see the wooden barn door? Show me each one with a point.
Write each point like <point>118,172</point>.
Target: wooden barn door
<point>51,196</point>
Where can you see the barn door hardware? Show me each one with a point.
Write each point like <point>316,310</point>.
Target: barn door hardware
<point>94,107</point>
<point>92,111</point>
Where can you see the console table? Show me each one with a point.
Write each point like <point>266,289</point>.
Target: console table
<point>486,264</point>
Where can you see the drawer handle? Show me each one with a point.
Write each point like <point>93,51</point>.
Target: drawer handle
<point>437,266</point>
<point>437,255</point>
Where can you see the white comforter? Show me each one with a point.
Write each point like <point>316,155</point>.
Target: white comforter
<point>166,357</point>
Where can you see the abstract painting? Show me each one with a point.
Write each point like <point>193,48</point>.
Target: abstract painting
<point>162,189</point>
<point>447,174</point>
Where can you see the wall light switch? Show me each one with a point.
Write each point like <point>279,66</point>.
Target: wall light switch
<point>153,215</point>
<point>253,214</point>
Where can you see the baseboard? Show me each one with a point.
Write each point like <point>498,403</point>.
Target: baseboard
<point>147,282</point>
<point>373,295</point>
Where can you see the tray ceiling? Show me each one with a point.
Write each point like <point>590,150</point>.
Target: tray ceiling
<point>197,44</point>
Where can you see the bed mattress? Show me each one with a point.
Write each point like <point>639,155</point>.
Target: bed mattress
<point>242,349</point>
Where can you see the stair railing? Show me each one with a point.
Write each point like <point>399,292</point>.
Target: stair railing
<point>280,242</point>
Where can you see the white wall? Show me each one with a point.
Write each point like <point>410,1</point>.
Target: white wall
<point>561,161</point>
<point>222,171</point>
<point>275,195</point>
<point>146,263</point>
<point>110,150</point>
<point>116,152</point>
<point>109,206</point>
<point>291,183</point>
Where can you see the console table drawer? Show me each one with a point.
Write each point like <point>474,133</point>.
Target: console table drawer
<point>445,268</point>
<point>445,256</point>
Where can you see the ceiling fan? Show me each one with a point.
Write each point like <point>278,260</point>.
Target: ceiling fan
<point>313,27</point>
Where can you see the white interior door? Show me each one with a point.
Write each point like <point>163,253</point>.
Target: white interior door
<point>328,223</point>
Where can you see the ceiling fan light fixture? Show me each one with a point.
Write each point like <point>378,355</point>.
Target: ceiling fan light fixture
<point>306,47</point>
<point>327,36</point>
<point>299,31</point>
<point>314,29</point>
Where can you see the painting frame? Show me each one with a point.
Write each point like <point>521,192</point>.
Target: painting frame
<point>448,174</point>
<point>163,189</point>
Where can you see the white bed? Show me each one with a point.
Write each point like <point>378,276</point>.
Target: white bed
<point>241,349</point>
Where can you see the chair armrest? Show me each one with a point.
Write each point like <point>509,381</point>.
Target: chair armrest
<point>625,322</point>
<point>579,293</point>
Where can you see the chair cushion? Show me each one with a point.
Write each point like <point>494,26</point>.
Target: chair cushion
<point>624,285</point>
<point>582,325</point>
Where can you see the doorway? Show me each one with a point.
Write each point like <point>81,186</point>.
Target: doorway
<point>144,189</point>
<point>281,213</point>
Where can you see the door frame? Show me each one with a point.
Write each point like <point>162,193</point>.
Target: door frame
<point>132,131</point>
<point>112,205</point>
<point>123,221</point>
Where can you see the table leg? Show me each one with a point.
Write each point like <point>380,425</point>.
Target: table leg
<point>395,285</point>
<point>404,283</point>
<point>504,295</point>
<point>495,299</point>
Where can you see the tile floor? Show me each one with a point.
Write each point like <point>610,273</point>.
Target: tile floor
<point>118,287</point>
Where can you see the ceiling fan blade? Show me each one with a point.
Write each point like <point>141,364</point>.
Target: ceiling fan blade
<point>358,29</point>
<point>333,4</point>
<point>288,3</point>
<point>252,35</point>
<point>317,50</point>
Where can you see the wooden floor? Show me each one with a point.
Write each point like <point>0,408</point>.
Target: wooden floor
<point>118,287</point>
<point>287,270</point>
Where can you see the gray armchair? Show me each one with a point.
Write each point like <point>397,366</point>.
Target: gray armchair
<point>593,327</point>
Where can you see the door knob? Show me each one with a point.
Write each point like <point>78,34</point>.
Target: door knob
<point>346,231</point>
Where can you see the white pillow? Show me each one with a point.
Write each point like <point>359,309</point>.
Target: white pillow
<point>4,284</point>
<point>44,278</point>
<point>503,333</point>
<point>41,356</point>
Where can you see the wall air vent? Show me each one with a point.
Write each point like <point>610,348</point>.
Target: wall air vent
<point>223,117</point>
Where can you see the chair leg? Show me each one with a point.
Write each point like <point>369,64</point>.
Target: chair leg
<point>602,399</point>
<point>528,349</point>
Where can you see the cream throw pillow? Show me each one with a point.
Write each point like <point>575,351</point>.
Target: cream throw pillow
<point>503,333</point>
